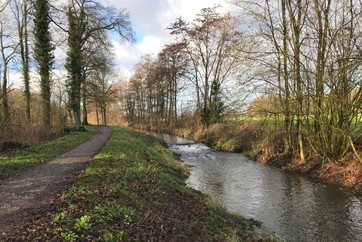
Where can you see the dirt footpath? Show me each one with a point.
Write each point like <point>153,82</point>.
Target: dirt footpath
<point>32,194</point>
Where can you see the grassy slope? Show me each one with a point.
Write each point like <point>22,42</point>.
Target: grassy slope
<point>15,162</point>
<point>134,190</point>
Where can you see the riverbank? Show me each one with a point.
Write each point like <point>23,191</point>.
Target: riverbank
<point>135,190</point>
<point>264,145</point>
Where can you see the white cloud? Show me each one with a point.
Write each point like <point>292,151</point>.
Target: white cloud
<point>125,57</point>
<point>150,45</point>
<point>15,80</point>
<point>150,18</point>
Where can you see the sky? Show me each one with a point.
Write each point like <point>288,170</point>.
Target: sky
<point>150,18</point>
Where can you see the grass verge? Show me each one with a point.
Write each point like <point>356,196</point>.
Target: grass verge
<point>134,190</point>
<point>12,163</point>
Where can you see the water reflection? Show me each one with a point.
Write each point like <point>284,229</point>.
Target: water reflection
<point>295,208</point>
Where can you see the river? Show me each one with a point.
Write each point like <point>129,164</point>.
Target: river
<point>293,207</point>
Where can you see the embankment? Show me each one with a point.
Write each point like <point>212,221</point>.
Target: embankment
<point>134,190</point>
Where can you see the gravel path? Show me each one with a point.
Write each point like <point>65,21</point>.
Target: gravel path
<point>28,196</point>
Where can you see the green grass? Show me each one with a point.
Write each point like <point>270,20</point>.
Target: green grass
<point>12,163</point>
<point>134,190</point>
<point>266,119</point>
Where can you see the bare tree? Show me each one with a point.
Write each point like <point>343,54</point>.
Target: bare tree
<point>20,9</point>
<point>173,65</point>
<point>135,99</point>
<point>8,48</point>
<point>214,45</point>
<point>101,91</point>
<point>315,45</point>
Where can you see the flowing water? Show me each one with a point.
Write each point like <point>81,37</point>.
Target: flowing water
<point>293,207</point>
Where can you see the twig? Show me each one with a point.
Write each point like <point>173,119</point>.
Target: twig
<point>354,150</point>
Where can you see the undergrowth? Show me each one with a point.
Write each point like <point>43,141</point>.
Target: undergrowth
<point>14,162</point>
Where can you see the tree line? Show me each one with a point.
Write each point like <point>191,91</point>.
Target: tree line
<point>30,34</point>
<point>313,65</point>
<point>204,59</point>
<point>305,55</point>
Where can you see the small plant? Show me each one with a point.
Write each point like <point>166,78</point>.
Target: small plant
<point>114,210</point>
<point>69,236</point>
<point>83,224</point>
<point>61,216</point>
<point>118,236</point>
<point>141,170</point>
<point>215,204</point>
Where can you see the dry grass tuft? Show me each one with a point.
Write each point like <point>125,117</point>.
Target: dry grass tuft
<point>28,133</point>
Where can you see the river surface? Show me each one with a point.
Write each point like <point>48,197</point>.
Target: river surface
<point>293,207</point>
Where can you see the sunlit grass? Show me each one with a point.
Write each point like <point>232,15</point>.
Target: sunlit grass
<point>356,120</point>
<point>12,163</point>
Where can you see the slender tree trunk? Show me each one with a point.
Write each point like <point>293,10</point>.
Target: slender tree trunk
<point>5,101</point>
<point>1,95</point>
<point>288,120</point>
<point>104,114</point>
<point>198,99</point>
<point>175,102</point>
<point>84,110</point>
<point>24,45</point>
<point>21,15</point>
<point>97,114</point>
<point>296,23</point>
<point>5,60</point>
<point>323,28</point>
<point>170,104</point>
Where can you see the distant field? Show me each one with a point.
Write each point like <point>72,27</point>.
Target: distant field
<point>277,118</point>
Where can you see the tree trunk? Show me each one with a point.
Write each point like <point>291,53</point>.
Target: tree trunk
<point>97,114</point>
<point>296,23</point>
<point>104,114</point>
<point>5,100</point>
<point>5,60</point>
<point>24,49</point>
<point>288,120</point>
<point>43,53</point>
<point>46,104</point>
<point>84,110</point>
